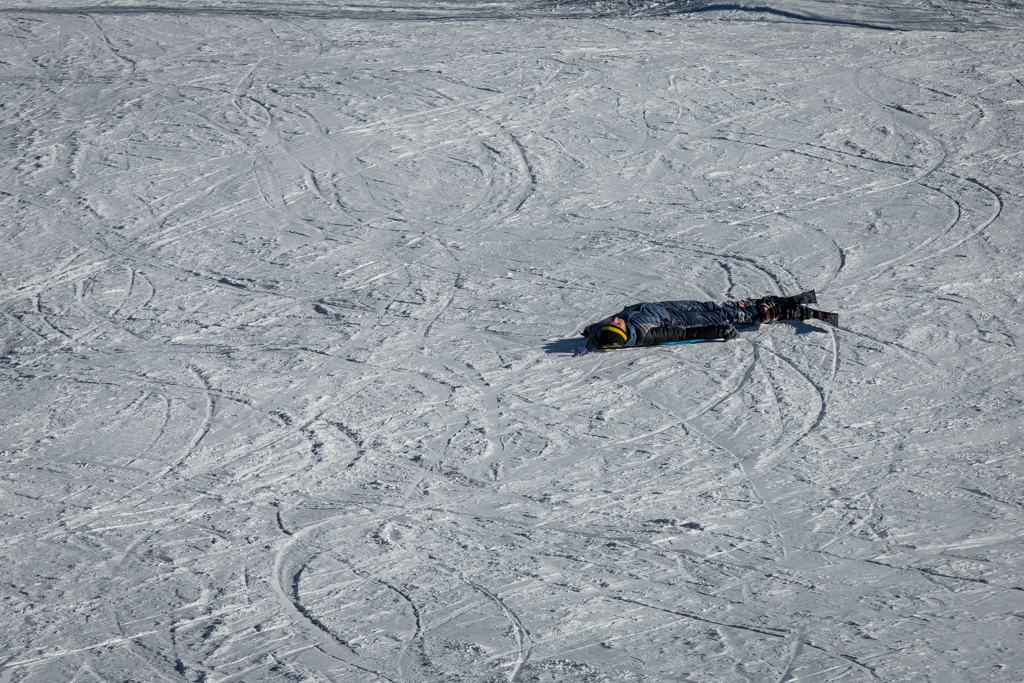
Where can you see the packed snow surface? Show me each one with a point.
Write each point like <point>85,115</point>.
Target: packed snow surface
<point>289,298</point>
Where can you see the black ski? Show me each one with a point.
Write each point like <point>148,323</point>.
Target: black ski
<point>824,316</point>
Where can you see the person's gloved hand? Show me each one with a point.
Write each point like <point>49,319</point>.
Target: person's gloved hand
<point>728,332</point>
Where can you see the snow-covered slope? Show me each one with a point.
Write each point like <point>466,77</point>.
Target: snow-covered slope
<point>290,292</point>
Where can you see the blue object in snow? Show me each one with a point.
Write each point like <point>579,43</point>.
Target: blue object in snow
<point>583,350</point>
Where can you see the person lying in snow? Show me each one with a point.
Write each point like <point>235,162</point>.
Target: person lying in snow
<point>648,324</point>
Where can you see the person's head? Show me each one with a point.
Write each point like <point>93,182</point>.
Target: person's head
<point>613,334</point>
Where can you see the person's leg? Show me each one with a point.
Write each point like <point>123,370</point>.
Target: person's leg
<point>747,312</point>
<point>742,313</point>
<point>697,313</point>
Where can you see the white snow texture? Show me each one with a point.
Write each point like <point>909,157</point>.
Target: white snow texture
<point>290,292</point>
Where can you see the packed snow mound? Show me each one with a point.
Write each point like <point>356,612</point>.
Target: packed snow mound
<point>289,291</point>
<point>907,15</point>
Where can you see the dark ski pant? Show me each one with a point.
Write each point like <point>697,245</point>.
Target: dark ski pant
<point>697,313</point>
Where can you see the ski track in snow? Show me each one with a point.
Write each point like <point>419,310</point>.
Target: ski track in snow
<point>289,296</point>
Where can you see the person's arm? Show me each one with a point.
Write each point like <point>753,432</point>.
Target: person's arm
<point>665,334</point>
